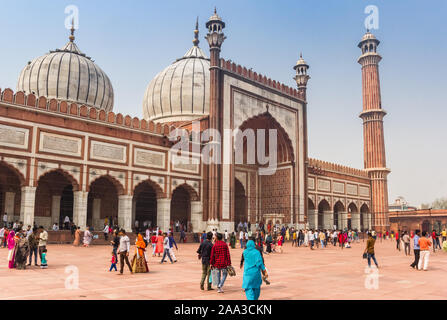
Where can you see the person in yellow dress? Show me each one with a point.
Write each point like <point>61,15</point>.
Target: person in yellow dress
<point>139,263</point>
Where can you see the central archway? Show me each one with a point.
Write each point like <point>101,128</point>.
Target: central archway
<point>10,191</point>
<point>274,188</point>
<point>181,207</point>
<point>54,198</point>
<point>145,202</point>
<point>103,202</point>
<point>323,208</point>
<point>339,208</point>
<point>240,204</point>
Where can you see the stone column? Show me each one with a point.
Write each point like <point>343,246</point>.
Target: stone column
<point>80,200</point>
<point>28,200</point>
<point>55,209</point>
<point>196,216</point>
<point>96,217</point>
<point>125,212</point>
<point>312,218</point>
<point>342,220</point>
<point>163,214</point>
<point>328,220</point>
<point>355,221</point>
<point>9,205</point>
<point>134,212</point>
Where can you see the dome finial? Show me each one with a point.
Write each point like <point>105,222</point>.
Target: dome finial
<point>196,34</point>
<point>72,37</point>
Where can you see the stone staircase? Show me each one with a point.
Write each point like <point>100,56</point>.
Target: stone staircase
<point>65,237</point>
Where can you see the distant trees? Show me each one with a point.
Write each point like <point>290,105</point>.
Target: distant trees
<point>440,203</point>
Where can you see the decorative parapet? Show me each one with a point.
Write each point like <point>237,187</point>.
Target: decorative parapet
<point>319,165</point>
<point>259,78</point>
<point>83,112</point>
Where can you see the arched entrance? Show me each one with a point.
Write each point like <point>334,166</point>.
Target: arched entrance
<point>10,191</point>
<point>426,226</point>
<point>323,207</point>
<point>275,187</point>
<point>240,204</point>
<point>54,198</point>
<point>364,213</point>
<point>339,208</point>
<point>353,213</point>
<point>145,202</point>
<point>181,207</point>
<point>311,214</point>
<point>103,202</point>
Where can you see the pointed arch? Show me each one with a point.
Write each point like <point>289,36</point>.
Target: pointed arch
<point>19,175</point>
<point>158,190</point>
<point>266,121</point>
<point>191,191</point>
<point>119,187</point>
<point>64,173</point>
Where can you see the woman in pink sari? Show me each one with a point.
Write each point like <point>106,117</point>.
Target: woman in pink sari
<point>12,249</point>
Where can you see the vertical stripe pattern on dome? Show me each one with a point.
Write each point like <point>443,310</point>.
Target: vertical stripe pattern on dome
<point>69,75</point>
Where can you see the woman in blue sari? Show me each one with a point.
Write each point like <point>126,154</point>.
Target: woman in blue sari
<point>253,267</point>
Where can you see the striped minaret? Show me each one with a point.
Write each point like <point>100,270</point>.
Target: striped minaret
<point>374,143</point>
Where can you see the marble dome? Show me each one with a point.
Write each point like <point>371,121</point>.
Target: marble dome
<point>181,91</point>
<point>67,74</point>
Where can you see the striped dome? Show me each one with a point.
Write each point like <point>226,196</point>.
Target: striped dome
<point>181,91</point>
<point>67,74</point>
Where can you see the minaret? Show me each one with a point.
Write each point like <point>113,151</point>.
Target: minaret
<point>301,79</point>
<point>215,38</point>
<point>374,143</point>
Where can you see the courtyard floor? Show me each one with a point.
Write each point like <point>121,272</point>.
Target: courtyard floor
<point>298,273</point>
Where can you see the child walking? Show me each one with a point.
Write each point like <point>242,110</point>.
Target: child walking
<point>113,261</point>
<point>44,263</point>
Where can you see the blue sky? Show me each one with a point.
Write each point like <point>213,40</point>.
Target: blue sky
<point>132,41</point>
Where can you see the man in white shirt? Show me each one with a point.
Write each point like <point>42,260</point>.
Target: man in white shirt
<point>5,220</point>
<point>67,222</point>
<point>226,236</point>
<point>55,227</point>
<point>241,238</point>
<point>43,238</point>
<point>311,239</point>
<point>123,251</point>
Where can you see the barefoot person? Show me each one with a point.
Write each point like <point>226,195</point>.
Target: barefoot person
<point>139,264</point>
<point>369,250</point>
<point>204,253</point>
<point>77,240</point>
<point>123,251</point>
<point>220,260</point>
<point>253,267</point>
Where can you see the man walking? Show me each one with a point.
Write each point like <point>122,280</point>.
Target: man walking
<point>369,250</point>
<point>398,240</point>
<point>220,260</point>
<point>416,249</point>
<point>406,240</point>
<point>204,253</point>
<point>166,248</point>
<point>424,244</point>
<point>123,251</point>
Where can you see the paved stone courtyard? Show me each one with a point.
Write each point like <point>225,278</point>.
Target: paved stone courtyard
<point>298,273</point>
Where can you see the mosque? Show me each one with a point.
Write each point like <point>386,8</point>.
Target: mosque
<point>65,152</point>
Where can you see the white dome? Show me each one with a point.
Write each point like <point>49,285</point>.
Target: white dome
<point>67,74</point>
<point>181,91</point>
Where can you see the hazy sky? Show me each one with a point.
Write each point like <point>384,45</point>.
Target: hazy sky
<point>134,40</point>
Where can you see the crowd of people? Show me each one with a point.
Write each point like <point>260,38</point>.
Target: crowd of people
<point>22,244</point>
